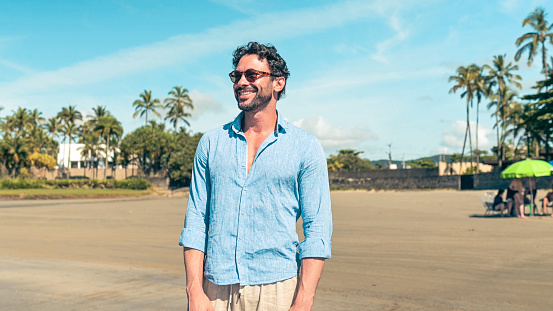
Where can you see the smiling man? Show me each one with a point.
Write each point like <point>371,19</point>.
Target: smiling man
<point>252,180</point>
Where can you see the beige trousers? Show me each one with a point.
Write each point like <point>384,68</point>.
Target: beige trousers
<point>266,297</point>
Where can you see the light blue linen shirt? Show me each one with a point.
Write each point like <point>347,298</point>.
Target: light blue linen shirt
<point>246,222</point>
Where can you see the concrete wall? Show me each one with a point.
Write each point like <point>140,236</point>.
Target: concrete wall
<point>408,179</point>
<point>411,179</point>
<point>494,181</point>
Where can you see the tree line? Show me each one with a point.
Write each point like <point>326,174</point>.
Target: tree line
<point>519,120</point>
<point>30,140</point>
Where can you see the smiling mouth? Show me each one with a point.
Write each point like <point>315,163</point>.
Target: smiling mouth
<point>245,93</point>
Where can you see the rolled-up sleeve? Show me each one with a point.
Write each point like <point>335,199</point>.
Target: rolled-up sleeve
<point>315,204</point>
<point>194,234</point>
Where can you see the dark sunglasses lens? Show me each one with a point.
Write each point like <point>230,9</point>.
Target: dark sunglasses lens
<point>235,76</point>
<point>251,75</point>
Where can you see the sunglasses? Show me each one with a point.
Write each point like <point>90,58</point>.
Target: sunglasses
<point>251,75</point>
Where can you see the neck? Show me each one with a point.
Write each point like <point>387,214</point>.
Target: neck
<point>260,121</point>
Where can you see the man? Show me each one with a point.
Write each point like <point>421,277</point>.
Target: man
<point>252,179</point>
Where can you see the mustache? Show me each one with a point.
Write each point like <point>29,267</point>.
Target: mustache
<point>246,88</point>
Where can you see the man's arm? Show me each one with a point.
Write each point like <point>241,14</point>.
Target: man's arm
<point>194,266</point>
<point>317,225</point>
<point>311,269</point>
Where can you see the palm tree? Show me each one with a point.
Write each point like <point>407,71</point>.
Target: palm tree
<point>514,119</point>
<point>501,75</point>
<point>17,148</point>
<point>108,127</point>
<point>177,104</point>
<point>89,151</point>
<point>505,112</point>
<point>35,118</point>
<point>99,112</point>
<point>69,116</point>
<point>146,104</point>
<point>538,115</point>
<point>19,121</point>
<point>542,33</point>
<point>53,128</point>
<point>469,79</point>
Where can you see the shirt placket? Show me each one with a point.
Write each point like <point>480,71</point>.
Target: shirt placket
<point>245,203</point>
<point>240,247</point>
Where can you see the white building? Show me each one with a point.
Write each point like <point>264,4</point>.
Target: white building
<point>77,160</point>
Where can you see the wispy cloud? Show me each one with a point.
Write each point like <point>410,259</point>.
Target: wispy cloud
<point>16,67</point>
<point>383,47</point>
<point>191,47</point>
<point>333,138</point>
<point>349,78</point>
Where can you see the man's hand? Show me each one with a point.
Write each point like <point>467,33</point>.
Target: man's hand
<point>194,266</point>
<point>198,301</point>
<point>311,269</point>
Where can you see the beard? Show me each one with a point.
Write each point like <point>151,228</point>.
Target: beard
<point>260,101</point>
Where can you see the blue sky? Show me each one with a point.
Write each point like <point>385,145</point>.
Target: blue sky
<point>364,74</point>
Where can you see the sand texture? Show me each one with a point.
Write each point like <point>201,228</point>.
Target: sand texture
<point>427,250</point>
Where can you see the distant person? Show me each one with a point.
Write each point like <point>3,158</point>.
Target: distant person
<point>499,204</point>
<point>531,192</point>
<point>515,200</point>
<point>252,179</point>
<point>547,201</point>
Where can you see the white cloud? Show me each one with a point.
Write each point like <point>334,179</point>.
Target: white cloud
<point>334,138</point>
<point>453,138</point>
<point>204,103</point>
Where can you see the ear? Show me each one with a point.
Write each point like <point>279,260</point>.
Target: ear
<point>278,84</point>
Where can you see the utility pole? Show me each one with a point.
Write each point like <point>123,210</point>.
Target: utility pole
<point>389,155</point>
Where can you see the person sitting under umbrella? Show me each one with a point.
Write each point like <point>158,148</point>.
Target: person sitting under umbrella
<point>498,203</point>
<point>514,196</point>
<point>547,201</point>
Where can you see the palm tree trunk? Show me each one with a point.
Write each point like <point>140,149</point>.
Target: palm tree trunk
<point>477,151</point>
<point>544,62</point>
<point>463,152</point>
<point>470,137</point>
<point>69,162</point>
<point>107,157</point>
<point>499,145</point>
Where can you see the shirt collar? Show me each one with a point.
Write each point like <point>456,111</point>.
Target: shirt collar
<point>282,124</point>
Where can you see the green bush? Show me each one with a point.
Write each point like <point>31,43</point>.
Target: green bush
<point>21,183</point>
<point>131,184</point>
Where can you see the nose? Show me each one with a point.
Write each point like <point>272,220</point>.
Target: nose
<point>242,80</point>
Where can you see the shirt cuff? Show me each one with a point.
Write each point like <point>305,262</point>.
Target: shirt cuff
<point>315,247</point>
<point>193,239</point>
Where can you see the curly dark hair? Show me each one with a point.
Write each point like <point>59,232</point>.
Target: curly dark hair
<point>276,62</point>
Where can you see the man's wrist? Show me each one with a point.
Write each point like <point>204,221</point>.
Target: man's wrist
<point>194,289</point>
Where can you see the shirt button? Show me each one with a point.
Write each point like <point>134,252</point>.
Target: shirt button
<point>243,164</point>
<point>239,238</point>
<point>242,213</point>
<point>245,189</point>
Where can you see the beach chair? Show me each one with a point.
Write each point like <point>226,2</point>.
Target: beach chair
<point>487,202</point>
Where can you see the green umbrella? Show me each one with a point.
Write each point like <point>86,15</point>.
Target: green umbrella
<point>528,168</point>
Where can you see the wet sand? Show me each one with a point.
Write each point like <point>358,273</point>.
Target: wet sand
<point>427,250</point>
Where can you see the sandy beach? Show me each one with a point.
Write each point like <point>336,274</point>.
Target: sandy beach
<point>426,250</point>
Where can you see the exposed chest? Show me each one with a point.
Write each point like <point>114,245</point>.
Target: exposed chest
<point>254,142</point>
